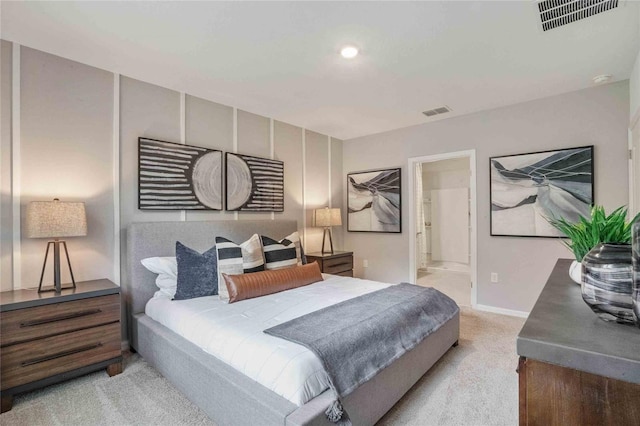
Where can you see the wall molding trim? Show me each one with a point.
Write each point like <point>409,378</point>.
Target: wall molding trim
<point>304,185</point>
<point>329,169</point>
<point>15,166</point>
<point>116,178</point>
<point>235,150</point>
<point>501,311</point>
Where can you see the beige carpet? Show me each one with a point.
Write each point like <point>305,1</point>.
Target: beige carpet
<point>473,384</point>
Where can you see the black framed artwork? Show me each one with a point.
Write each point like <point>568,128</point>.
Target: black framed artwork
<point>526,189</point>
<point>254,184</point>
<point>173,176</point>
<point>373,202</point>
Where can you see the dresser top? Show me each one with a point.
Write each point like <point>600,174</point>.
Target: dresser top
<point>563,330</point>
<point>28,298</point>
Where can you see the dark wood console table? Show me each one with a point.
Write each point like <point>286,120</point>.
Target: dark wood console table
<point>574,368</point>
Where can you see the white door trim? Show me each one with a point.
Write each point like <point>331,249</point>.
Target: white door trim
<point>471,154</point>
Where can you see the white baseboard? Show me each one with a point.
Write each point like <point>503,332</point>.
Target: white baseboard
<point>124,345</point>
<point>502,311</point>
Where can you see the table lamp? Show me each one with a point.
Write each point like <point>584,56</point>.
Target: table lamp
<point>327,218</point>
<point>56,219</point>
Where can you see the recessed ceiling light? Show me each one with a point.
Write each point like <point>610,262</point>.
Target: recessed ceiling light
<point>349,52</point>
<point>599,79</point>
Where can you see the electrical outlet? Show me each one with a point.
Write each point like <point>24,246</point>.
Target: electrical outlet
<point>494,277</point>
<point>365,263</point>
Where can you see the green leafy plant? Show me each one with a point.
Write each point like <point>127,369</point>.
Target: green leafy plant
<point>588,233</point>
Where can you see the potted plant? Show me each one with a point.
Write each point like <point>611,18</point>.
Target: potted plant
<point>588,233</point>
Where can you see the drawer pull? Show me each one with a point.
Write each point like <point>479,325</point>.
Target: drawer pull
<point>60,354</point>
<point>60,318</point>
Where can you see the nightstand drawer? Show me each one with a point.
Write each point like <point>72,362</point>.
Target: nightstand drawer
<point>24,325</point>
<point>348,273</point>
<point>27,362</point>
<point>337,265</point>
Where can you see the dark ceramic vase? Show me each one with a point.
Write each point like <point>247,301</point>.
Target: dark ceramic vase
<point>635,236</point>
<point>607,282</point>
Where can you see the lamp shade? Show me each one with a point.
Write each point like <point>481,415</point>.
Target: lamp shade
<point>328,217</point>
<point>56,219</point>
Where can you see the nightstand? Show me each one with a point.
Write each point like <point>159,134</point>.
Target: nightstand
<point>338,263</point>
<point>47,337</point>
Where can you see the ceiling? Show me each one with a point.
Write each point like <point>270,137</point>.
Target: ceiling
<point>281,59</point>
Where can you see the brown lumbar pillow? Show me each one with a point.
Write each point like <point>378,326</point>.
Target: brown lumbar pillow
<point>256,284</point>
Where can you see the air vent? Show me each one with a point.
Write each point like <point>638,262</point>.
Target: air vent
<point>440,110</point>
<point>556,13</point>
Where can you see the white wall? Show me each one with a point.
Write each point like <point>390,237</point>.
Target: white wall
<point>75,145</point>
<point>597,116</point>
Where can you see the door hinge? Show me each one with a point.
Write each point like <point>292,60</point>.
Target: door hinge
<point>631,154</point>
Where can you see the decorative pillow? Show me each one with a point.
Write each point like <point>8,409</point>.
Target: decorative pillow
<point>247,286</point>
<point>167,270</point>
<point>234,259</point>
<point>279,254</point>
<point>197,273</point>
<point>282,251</point>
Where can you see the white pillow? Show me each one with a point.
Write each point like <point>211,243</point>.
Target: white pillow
<point>167,270</point>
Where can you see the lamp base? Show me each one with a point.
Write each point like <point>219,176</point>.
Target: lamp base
<point>57,285</point>
<point>324,234</point>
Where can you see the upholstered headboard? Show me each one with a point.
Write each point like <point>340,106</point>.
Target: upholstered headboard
<point>148,239</point>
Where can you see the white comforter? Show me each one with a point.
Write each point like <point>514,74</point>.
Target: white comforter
<point>233,332</point>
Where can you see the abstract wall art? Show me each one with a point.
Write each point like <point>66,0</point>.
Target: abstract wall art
<point>526,189</point>
<point>173,176</point>
<point>254,184</point>
<point>374,201</point>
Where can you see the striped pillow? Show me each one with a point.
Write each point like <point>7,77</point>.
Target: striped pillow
<point>234,259</point>
<point>284,253</point>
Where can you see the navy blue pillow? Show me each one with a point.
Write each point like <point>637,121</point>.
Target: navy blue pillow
<point>197,273</point>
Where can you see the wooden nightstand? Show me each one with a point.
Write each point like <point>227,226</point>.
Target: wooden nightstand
<point>47,337</point>
<point>338,263</point>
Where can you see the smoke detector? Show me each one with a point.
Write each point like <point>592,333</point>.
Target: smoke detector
<point>557,13</point>
<point>436,111</point>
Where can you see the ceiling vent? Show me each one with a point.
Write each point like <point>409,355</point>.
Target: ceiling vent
<point>436,111</point>
<point>557,13</point>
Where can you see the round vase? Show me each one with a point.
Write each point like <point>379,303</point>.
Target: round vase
<point>607,282</point>
<point>575,272</point>
<point>635,244</point>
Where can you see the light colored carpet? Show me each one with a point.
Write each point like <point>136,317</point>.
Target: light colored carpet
<point>455,284</point>
<point>473,384</point>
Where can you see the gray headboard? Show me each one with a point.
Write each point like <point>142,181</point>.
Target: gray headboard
<point>148,239</point>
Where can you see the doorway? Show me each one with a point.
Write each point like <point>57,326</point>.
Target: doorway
<point>443,221</point>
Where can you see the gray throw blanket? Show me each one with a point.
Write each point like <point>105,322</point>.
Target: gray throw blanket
<point>359,337</point>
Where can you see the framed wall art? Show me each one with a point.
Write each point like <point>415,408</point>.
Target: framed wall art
<point>373,201</point>
<point>526,189</point>
<point>254,184</point>
<point>173,176</point>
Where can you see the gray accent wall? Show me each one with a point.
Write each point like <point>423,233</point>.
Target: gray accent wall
<point>597,116</point>
<point>74,148</point>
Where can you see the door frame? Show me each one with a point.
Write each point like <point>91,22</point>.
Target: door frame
<point>473,221</point>
<point>634,165</point>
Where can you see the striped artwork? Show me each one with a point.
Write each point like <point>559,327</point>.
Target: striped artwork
<point>254,184</point>
<point>173,176</point>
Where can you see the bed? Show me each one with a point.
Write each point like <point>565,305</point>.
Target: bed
<point>227,395</point>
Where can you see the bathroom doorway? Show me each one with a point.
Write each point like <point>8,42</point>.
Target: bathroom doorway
<point>443,219</point>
